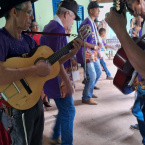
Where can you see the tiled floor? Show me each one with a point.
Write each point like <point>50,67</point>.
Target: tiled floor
<point>104,124</point>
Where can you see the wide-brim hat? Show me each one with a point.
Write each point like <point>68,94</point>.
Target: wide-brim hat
<point>94,4</point>
<point>72,6</point>
<point>6,5</point>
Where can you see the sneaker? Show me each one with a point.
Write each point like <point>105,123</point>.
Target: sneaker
<point>109,78</point>
<point>134,127</point>
<point>90,102</point>
<point>55,141</point>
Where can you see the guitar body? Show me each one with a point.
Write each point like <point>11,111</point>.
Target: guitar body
<point>124,72</point>
<point>125,69</point>
<point>21,99</point>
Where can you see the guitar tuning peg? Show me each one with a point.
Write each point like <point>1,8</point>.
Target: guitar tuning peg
<point>118,2</point>
<point>118,8</point>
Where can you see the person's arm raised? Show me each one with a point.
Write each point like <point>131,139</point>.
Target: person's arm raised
<point>135,54</point>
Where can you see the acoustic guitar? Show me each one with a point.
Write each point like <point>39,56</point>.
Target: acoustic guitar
<point>25,93</point>
<point>124,79</point>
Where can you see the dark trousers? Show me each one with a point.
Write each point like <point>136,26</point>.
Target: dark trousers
<point>27,126</point>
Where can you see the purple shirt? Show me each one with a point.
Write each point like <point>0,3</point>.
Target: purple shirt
<point>90,39</point>
<point>11,47</point>
<point>55,42</point>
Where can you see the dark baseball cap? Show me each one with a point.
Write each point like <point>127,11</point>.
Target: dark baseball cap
<point>94,4</point>
<point>72,6</point>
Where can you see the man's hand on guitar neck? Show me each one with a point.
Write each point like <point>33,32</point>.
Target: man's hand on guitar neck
<point>77,45</point>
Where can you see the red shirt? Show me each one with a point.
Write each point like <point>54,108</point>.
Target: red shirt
<point>36,37</point>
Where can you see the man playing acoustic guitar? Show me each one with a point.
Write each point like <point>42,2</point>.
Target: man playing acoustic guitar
<point>135,54</point>
<point>25,126</point>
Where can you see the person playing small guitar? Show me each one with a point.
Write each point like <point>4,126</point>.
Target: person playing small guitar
<point>134,53</point>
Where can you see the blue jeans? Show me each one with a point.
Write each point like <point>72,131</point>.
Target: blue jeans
<point>103,63</point>
<point>93,73</point>
<point>64,121</point>
<point>137,112</point>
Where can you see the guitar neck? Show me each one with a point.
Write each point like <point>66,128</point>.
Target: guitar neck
<point>119,6</point>
<point>61,52</point>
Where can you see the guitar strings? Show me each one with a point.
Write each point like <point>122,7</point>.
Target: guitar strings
<point>58,54</point>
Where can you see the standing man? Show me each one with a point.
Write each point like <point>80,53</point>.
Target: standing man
<point>92,44</point>
<point>60,88</point>
<point>134,53</point>
<point>26,126</point>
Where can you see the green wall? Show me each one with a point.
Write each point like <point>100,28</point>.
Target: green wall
<point>43,12</point>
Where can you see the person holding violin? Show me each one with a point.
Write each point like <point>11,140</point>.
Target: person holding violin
<point>135,54</point>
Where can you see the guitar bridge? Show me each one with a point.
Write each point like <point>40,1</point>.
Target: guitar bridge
<point>25,85</point>
<point>3,93</point>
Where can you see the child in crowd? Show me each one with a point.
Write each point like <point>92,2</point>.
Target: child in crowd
<point>102,33</point>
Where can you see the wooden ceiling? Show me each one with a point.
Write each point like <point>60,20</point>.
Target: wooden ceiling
<point>103,1</point>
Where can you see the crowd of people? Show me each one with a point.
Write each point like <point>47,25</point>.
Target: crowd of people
<point>25,127</point>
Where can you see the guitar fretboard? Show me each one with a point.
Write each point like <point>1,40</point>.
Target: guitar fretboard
<point>61,52</point>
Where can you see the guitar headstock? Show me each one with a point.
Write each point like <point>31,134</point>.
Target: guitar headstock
<point>119,5</point>
<point>85,31</point>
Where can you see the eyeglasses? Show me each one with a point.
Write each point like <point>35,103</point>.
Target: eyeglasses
<point>30,12</point>
<point>36,26</point>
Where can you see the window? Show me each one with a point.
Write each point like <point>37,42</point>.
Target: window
<point>55,5</point>
<point>33,11</point>
<point>81,15</point>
